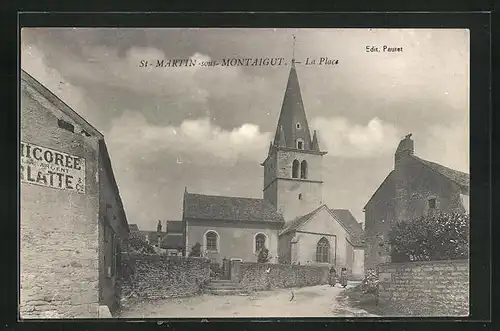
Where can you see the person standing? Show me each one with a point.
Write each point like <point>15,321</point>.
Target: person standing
<point>333,276</point>
<point>343,277</point>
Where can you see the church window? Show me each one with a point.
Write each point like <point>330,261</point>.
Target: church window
<point>260,242</point>
<point>298,125</point>
<point>303,169</point>
<point>295,169</point>
<point>323,251</point>
<point>300,144</point>
<point>300,196</point>
<point>211,240</point>
<point>432,203</point>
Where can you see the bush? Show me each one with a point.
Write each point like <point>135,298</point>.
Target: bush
<point>369,285</point>
<point>136,244</point>
<point>263,256</point>
<point>195,250</point>
<point>440,236</point>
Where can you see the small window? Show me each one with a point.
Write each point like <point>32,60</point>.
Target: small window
<point>65,125</point>
<point>298,125</point>
<point>300,144</point>
<point>432,203</point>
<point>300,196</point>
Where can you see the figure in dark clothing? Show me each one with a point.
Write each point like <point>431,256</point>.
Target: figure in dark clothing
<point>333,277</point>
<point>343,277</point>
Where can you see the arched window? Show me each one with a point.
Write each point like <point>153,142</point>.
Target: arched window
<point>211,238</point>
<point>300,144</point>
<point>260,242</point>
<point>303,169</point>
<point>323,251</point>
<point>295,169</point>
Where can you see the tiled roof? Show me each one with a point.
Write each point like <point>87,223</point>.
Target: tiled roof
<point>174,226</point>
<point>172,241</point>
<point>214,207</point>
<point>299,221</point>
<point>348,221</point>
<point>459,177</point>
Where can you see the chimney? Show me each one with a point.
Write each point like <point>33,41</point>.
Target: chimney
<point>158,227</point>
<point>405,148</point>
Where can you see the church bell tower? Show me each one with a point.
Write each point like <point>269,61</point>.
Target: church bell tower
<point>292,169</point>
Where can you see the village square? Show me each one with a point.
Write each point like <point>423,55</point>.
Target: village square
<point>287,253</point>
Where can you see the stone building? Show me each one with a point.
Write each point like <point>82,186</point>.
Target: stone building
<point>291,220</point>
<point>72,220</point>
<point>412,189</point>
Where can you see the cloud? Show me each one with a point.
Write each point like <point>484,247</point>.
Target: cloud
<point>33,62</point>
<point>342,138</point>
<point>447,145</point>
<point>193,141</point>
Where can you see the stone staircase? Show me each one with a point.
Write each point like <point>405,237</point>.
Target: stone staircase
<point>223,287</point>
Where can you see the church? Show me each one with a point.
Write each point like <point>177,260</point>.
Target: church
<point>291,220</point>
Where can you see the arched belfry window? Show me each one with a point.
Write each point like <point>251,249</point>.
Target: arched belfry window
<point>295,169</point>
<point>323,251</point>
<point>303,169</point>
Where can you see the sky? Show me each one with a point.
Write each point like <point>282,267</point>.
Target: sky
<point>209,128</point>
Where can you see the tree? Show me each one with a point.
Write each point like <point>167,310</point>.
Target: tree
<point>439,236</point>
<point>263,256</point>
<point>136,244</point>
<point>195,250</point>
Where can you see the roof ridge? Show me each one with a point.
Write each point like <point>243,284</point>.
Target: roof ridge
<point>430,164</point>
<point>439,164</point>
<point>224,196</point>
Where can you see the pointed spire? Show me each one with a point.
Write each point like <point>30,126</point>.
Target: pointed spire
<point>292,123</point>
<point>315,143</point>
<point>270,148</point>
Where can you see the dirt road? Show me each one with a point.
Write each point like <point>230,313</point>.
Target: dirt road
<point>315,301</point>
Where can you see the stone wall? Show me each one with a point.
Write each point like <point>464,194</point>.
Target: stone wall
<point>435,288</point>
<point>253,276</point>
<point>152,277</point>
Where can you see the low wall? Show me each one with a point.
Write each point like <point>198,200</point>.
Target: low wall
<point>161,276</point>
<point>434,288</point>
<point>254,276</point>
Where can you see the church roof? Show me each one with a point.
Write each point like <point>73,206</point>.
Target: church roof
<point>172,242</point>
<point>459,177</point>
<point>343,216</point>
<point>215,207</point>
<point>299,221</point>
<point>348,221</point>
<point>292,123</point>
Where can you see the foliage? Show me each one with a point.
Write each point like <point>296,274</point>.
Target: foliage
<point>136,244</point>
<point>263,256</point>
<point>370,282</point>
<point>439,236</point>
<point>195,250</point>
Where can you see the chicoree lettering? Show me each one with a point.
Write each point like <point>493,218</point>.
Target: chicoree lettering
<point>47,167</point>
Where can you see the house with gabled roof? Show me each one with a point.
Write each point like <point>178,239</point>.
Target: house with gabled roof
<point>291,220</point>
<point>414,188</point>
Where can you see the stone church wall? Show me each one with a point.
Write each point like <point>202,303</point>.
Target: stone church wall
<point>254,276</point>
<point>58,226</point>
